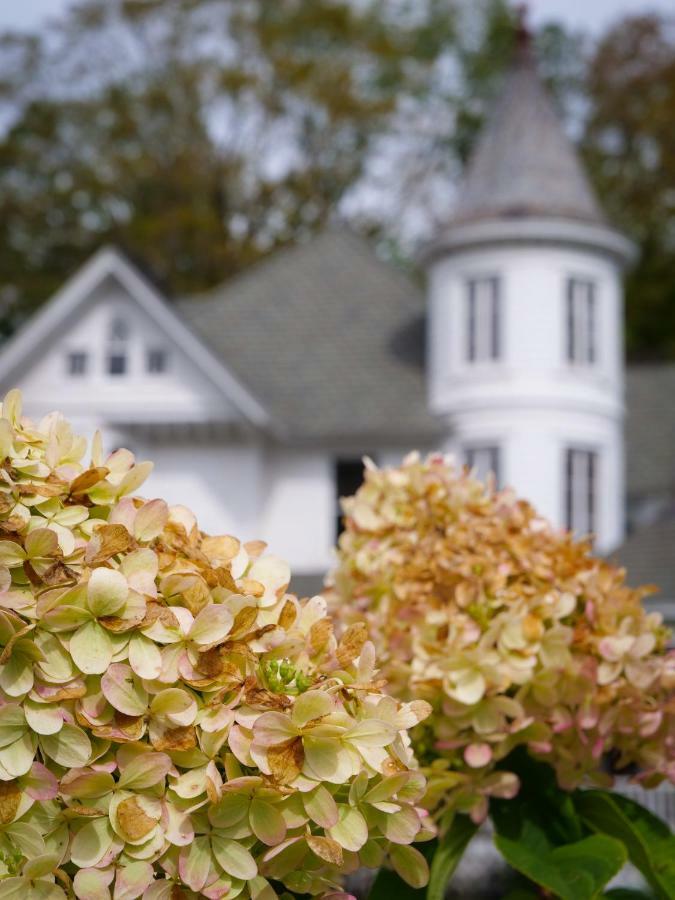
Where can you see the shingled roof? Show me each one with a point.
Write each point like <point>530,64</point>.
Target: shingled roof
<point>650,429</point>
<point>649,557</point>
<point>524,164</point>
<point>329,338</point>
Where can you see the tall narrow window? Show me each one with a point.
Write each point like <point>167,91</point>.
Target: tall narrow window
<point>117,346</point>
<point>484,460</point>
<point>581,321</point>
<point>581,477</point>
<point>348,479</point>
<point>77,363</point>
<point>483,320</point>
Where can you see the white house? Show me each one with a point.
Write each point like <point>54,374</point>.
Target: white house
<point>258,400</point>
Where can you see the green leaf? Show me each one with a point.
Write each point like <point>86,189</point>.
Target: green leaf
<point>627,894</point>
<point>576,871</point>
<point>648,840</point>
<point>446,858</point>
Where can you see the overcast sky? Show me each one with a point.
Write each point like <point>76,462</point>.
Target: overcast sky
<point>580,13</point>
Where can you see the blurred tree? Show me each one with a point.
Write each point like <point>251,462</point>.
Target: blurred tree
<point>199,134</point>
<point>629,145</point>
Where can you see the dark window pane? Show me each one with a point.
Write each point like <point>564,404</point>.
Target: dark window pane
<point>348,479</point>
<point>117,364</point>
<point>156,361</point>
<point>485,460</point>
<point>77,363</point>
<point>483,320</point>
<point>581,476</point>
<point>119,329</point>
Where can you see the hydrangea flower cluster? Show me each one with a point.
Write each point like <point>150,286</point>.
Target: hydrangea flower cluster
<point>172,722</point>
<point>513,631</point>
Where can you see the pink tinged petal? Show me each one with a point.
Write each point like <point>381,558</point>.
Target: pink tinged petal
<point>132,880</point>
<point>40,783</point>
<point>160,890</point>
<point>123,691</point>
<point>212,625</point>
<point>145,771</point>
<point>273,728</point>
<point>194,863</point>
<point>177,826</point>
<point>92,884</point>
<point>478,755</point>
<point>150,520</point>
<point>401,827</point>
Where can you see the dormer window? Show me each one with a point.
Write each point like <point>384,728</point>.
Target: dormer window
<point>581,324</point>
<point>117,346</point>
<point>156,361</point>
<point>76,363</point>
<point>483,320</point>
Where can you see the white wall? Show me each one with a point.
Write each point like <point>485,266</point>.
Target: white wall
<point>532,402</point>
<point>181,394</point>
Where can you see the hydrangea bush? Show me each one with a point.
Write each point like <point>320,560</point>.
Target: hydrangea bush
<point>513,631</point>
<point>172,722</point>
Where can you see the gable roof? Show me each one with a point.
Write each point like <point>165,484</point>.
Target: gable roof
<point>329,338</point>
<point>524,164</point>
<point>74,295</point>
<point>650,429</point>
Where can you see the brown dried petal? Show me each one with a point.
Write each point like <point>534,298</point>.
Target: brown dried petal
<point>352,643</point>
<point>107,541</point>
<point>220,548</point>
<point>325,848</point>
<point>288,615</point>
<point>285,760</point>
<point>179,738</point>
<point>133,820</point>
<point>88,479</point>
<point>243,621</point>
<point>10,798</point>
<point>319,635</point>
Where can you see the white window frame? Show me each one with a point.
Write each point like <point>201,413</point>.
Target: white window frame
<point>581,482</point>
<point>581,321</point>
<point>483,319</point>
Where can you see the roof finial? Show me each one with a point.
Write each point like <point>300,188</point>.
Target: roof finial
<point>523,32</point>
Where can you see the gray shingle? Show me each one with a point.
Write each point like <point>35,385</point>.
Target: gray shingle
<point>650,429</point>
<point>330,340</point>
<point>524,163</point>
<point>649,556</point>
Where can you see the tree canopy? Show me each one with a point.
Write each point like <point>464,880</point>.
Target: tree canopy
<point>200,134</point>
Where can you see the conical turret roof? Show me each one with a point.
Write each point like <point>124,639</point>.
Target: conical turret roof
<point>524,164</point>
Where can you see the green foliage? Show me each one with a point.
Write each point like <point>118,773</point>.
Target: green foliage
<point>648,840</point>
<point>629,147</point>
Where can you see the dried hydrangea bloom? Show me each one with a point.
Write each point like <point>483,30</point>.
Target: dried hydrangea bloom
<point>172,722</point>
<point>512,630</point>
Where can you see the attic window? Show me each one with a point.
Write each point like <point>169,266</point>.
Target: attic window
<point>77,363</point>
<point>156,362</point>
<point>483,320</point>
<point>117,346</point>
